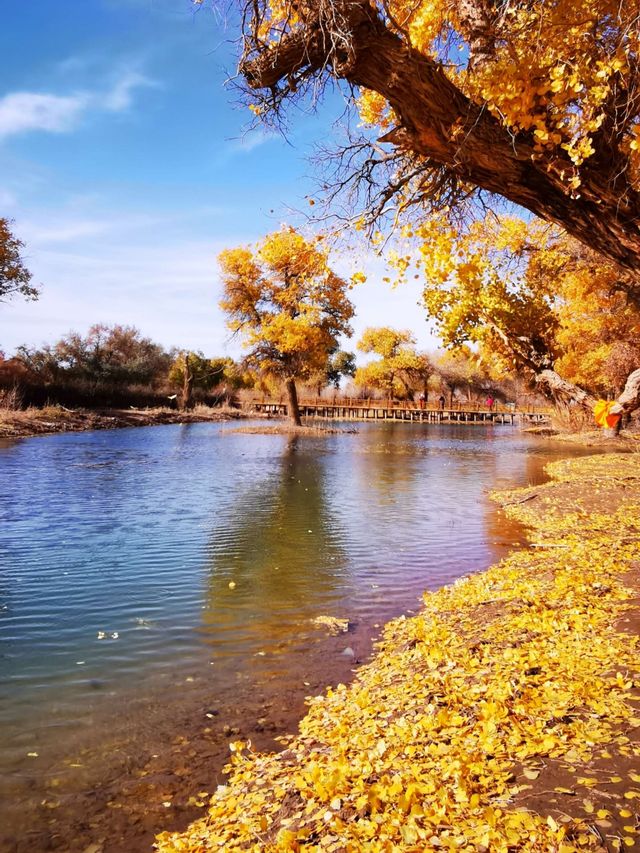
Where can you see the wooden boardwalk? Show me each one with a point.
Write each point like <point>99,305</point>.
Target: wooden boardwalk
<point>383,410</point>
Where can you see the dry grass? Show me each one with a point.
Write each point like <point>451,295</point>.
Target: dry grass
<point>45,413</point>
<point>50,419</point>
<point>625,441</point>
<point>10,399</point>
<point>290,429</point>
<point>572,420</point>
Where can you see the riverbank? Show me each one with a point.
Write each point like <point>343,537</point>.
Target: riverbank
<point>628,440</point>
<point>504,717</point>
<point>54,419</point>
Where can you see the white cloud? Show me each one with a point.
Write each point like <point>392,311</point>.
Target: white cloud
<point>22,112</point>
<point>120,96</point>
<point>155,269</point>
<point>67,229</point>
<point>169,291</point>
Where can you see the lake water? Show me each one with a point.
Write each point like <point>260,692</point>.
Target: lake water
<point>118,549</point>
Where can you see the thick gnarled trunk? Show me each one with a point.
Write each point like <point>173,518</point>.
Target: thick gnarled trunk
<point>630,397</point>
<point>440,124</point>
<point>560,392</point>
<point>533,356</point>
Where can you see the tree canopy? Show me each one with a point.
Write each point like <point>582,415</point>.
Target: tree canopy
<point>105,355</point>
<point>462,370</point>
<point>193,370</point>
<point>398,367</point>
<point>288,305</point>
<point>339,365</point>
<point>536,101</point>
<point>531,298</point>
<point>209,373</point>
<point>15,278</point>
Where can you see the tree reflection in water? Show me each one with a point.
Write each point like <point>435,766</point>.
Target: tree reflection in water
<point>279,545</point>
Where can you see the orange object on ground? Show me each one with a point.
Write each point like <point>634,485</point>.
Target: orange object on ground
<point>605,417</point>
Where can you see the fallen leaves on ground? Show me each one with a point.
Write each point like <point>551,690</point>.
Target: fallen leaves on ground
<point>503,681</point>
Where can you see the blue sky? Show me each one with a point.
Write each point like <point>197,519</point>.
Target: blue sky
<point>126,167</point>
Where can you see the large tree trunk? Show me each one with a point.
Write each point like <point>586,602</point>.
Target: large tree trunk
<point>560,392</point>
<point>437,122</point>
<point>408,390</point>
<point>629,400</point>
<point>532,356</point>
<point>292,402</point>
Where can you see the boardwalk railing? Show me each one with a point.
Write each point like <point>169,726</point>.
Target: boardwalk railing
<point>392,410</point>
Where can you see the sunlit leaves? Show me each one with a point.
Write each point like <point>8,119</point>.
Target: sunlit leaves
<point>15,278</point>
<point>563,71</point>
<point>286,302</point>
<point>398,368</point>
<point>529,296</point>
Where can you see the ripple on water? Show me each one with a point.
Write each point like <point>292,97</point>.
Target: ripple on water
<point>118,550</point>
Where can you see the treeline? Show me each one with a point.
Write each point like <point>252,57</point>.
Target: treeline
<point>117,366</point>
<point>399,371</point>
<point>114,366</point>
<point>291,309</point>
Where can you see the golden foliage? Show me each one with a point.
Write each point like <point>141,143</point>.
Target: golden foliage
<point>286,302</point>
<point>563,71</point>
<point>398,367</point>
<point>599,329</point>
<point>529,296</point>
<point>493,283</point>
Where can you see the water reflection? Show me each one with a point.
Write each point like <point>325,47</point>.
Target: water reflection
<point>279,539</point>
<point>141,531</point>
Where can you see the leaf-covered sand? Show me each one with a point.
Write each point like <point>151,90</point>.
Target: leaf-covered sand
<point>504,717</point>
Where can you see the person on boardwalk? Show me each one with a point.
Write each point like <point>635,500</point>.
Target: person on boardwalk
<point>441,401</point>
<point>490,402</point>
